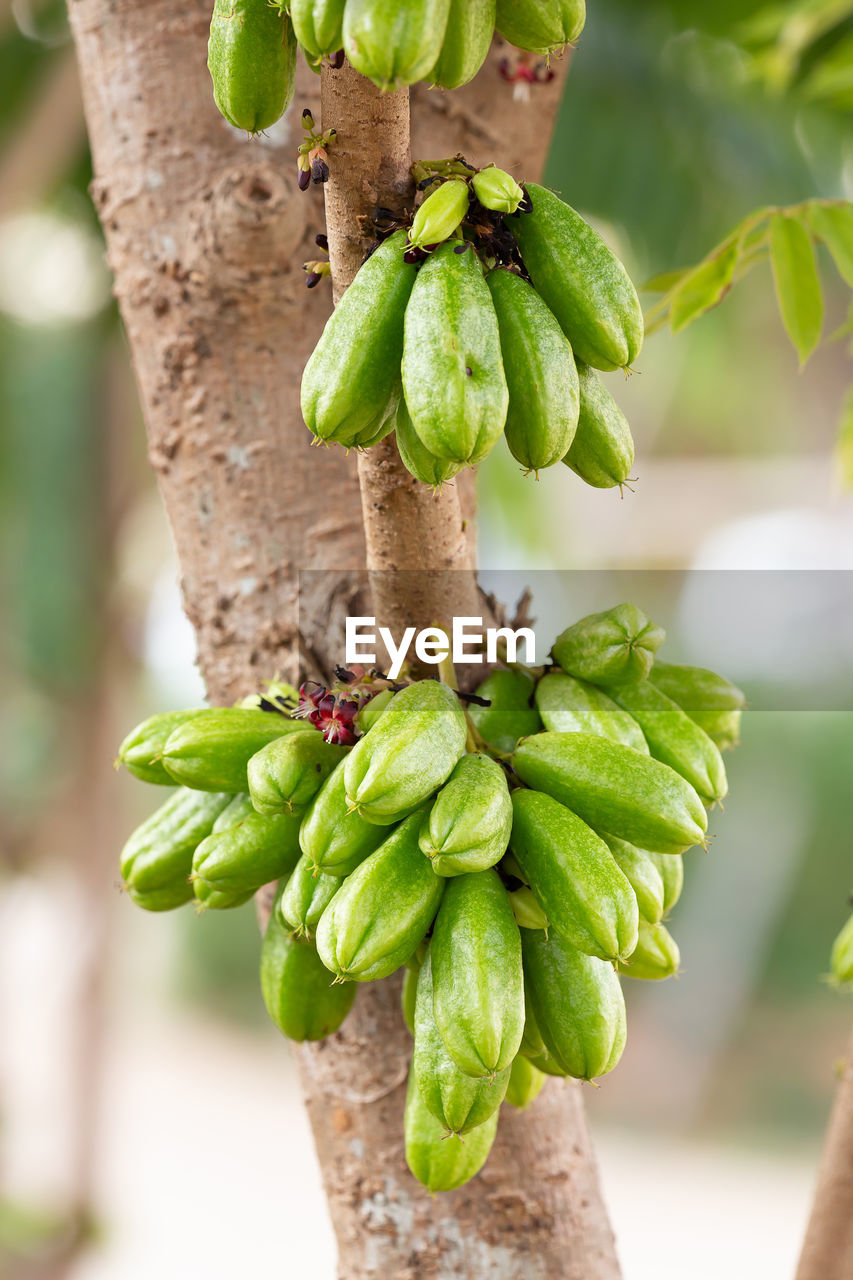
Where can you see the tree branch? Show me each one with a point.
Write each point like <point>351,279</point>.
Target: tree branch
<point>828,1247</point>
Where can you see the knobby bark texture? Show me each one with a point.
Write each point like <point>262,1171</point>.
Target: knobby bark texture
<point>206,234</point>
<point>828,1246</point>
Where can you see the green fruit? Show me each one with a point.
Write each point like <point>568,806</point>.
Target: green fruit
<point>578,1003</point>
<point>157,860</point>
<point>547,1065</point>
<point>526,909</point>
<point>568,705</point>
<point>540,373</point>
<point>525,1083</point>
<point>417,459</point>
<point>457,1101</point>
<point>467,37</point>
<point>841,961</point>
<point>497,190</point>
<point>602,452</point>
<point>614,789</point>
<point>711,700</point>
<point>394,42</point>
<point>676,739</point>
<point>671,869</point>
<point>334,838</point>
<point>318,25</point>
<point>285,775</point>
<point>440,1163</point>
<point>141,750</point>
<point>372,710</point>
<point>351,383</point>
<point>615,648</point>
<point>453,377</point>
<point>211,751</point>
<point>532,1045</point>
<point>298,991</point>
<point>306,896</point>
<point>478,985</point>
<point>509,715</point>
<point>722,727</point>
<point>540,26</point>
<point>440,214</point>
<point>574,876</point>
<point>244,851</point>
<point>644,876</point>
<point>409,994</point>
<point>408,754</point>
<point>468,826</point>
<point>582,281</point>
<point>382,911</point>
<point>251,56</point>
<point>656,957</point>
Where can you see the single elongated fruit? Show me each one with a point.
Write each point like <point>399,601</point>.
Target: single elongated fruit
<point>841,960</point>
<point>440,1163</point>
<point>382,911</point>
<point>468,826</point>
<point>469,31</point>
<point>614,789</point>
<point>602,451</point>
<point>453,377</point>
<point>457,1101</point>
<point>671,869</point>
<point>244,851</point>
<point>394,42</point>
<point>157,859</point>
<point>408,754</point>
<point>676,739</point>
<point>540,26</point>
<point>251,56</point>
<point>372,710</point>
<point>496,189</point>
<point>409,994</point>
<point>582,281</point>
<point>142,749</point>
<point>527,909</point>
<point>525,1083</point>
<point>286,774</point>
<point>351,383</point>
<point>440,214</point>
<point>417,458</point>
<point>298,991</point>
<point>478,985</point>
<point>579,1006</point>
<point>510,714</point>
<point>709,699</point>
<point>568,705</point>
<point>306,896</point>
<point>532,1044</point>
<point>211,751</point>
<point>574,876</point>
<point>656,957</point>
<point>643,874</point>
<point>613,648</point>
<point>318,25</point>
<point>540,371</point>
<point>334,837</point>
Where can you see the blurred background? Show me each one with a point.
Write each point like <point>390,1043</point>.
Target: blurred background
<point>150,1120</point>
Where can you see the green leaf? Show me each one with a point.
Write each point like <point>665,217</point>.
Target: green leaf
<point>844,443</point>
<point>833,224</point>
<point>797,283</point>
<point>703,287</point>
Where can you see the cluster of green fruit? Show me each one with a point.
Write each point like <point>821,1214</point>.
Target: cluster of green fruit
<point>515,849</point>
<point>487,316</point>
<point>253,43</point>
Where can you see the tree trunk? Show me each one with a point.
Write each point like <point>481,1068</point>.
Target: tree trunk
<point>206,234</point>
<point>828,1246</point>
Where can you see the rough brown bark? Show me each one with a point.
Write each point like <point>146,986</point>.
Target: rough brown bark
<point>206,234</point>
<point>828,1247</point>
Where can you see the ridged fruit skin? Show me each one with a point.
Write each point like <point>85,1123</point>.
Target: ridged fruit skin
<point>251,56</point>
<point>141,750</point>
<point>527,909</point>
<point>468,827</point>
<point>676,739</point>
<point>613,648</point>
<point>709,699</point>
<point>351,383</point>
<point>579,1006</point>
<point>467,37</point>
<point>643,875</point>
<point>671,868</point>
<point>602,452</point>
<point>510,715</point>
<point>657,956</point>
<point>440,213</point>
<point>453,377</point>
<point>478,984</point>
<point>574,876</point>
<point>411,752</point>
<point>286,774</point>
<point>306,896</point>
<point>211,752</point>
<point>383,910</point>
<point>540,371</point>
<point>540,26</point>
<point>318,25</point>
<point>440,1163</point>
<point>525,1083</point>
<point>418,460</point>
<point>569,705</point>
<point>581,280</point>
<point>244,851</point>
<point>297,988</point>
<point>614,789</point>
<point>394,42</point>
<point>334,838</point>
<point>157,859</point>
